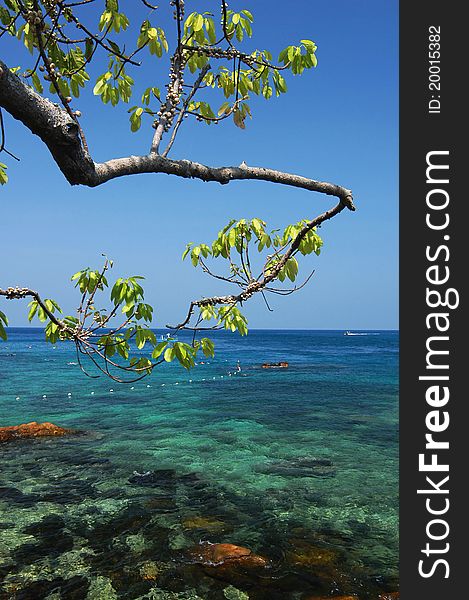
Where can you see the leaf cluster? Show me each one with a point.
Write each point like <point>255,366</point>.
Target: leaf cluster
<point>276,250</point>
<point>64,42</point>
<point>93,329</point>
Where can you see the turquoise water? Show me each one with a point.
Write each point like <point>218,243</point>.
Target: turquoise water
<point>300,465</point>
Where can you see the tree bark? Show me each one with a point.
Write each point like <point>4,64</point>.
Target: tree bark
<point>51,123</point>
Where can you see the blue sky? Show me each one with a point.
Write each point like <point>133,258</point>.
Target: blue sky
<point>337,123</point>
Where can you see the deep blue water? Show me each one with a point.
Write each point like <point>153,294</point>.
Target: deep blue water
<point>287,462</point>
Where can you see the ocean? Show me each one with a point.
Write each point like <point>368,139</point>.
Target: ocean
<point>299,465</point>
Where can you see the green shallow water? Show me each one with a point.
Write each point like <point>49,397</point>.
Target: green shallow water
<point>300,465</point>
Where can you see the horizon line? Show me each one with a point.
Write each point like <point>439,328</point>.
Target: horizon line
<point>253,328</point>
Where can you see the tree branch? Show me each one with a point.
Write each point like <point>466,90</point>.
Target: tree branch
<point>180,118</point>
<point>17,293</point>
<point>189,169</point>
<point>60,133</point>
<point>261,284</point>
<point>51,123</point>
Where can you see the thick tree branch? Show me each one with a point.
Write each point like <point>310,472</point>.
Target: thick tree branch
<point>185,168</point>
<point>60,133</point>
<point>51,123</point>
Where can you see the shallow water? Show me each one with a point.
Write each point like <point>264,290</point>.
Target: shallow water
<point>300,465</point>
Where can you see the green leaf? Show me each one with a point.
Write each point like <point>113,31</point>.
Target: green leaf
<point>198,23</point>
<point>207,312</point>
<point>135,121</point>
<point>187,250</point>
<point>158,350</point>
<point>208,347</point>
<point>32,311</point>
<point>109,347</point>
<point>99,87</point>
<point>210,27</point>
<point>248,15</point>
<point>238,119</point>
<point>114,47</point>
<point>163,39</point>
<point>257,226</point>
<point>169,355</point>
<point>146,96</point>
<point>3,321</point>
<point>12,5</point>
<point>41,314</point>
<point>195,255</point>
<point>37,83</point>
<point>3,175</point>
<point>89,47</point>
<point>247,26</point>
<point>224,108</point>
<point>292,269</point>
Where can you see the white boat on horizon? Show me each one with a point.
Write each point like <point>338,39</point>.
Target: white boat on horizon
<point>168,338</point>
<point>360,333</point>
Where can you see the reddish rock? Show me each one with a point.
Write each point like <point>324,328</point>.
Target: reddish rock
<point>279,365</point>
<point>215,555</point>
<point>32,430</point>
<point>389,596</point>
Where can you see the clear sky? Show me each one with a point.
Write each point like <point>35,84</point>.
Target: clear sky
<point>338,123</point>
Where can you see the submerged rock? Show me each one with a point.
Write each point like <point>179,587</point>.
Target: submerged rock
<point>232,593</point>
<point>14,495</point>
<point>389,596</point>
<point>50,547</point>
<point>101,587</point>
<point>308,555</point>
<point>206,523</point>
<point>89,460</point>
<point>279,365</point>
<point>319,564</point>
<point>149,570</point>
<point>158,478</point>
<point>214,555</point>
<point>302,466</point>
<point>67,490</point>
<point>73,588</point>
<point>50,526</point>
<point>161,504</point>
<point>178,541</point>
<point>32,430</point>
